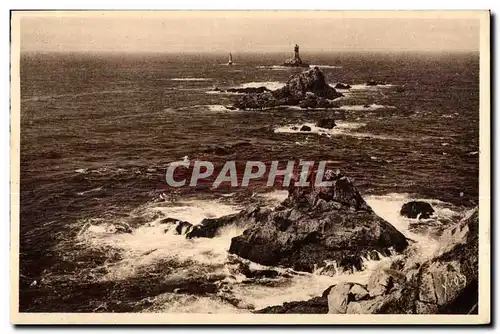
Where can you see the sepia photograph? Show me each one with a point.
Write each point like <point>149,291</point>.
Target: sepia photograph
<point>258,167</point>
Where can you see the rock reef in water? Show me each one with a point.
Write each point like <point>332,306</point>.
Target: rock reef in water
<point>308,89</point>
<point>242,90</point>
<point>296,61</point>
<point>342,86</point>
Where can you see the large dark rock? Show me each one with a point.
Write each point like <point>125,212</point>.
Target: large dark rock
<point>316,224</point>
<point>308,89</point>
<point>326,123</point>
<point>305,128</point>
<point>414,209</point>
<point>210,227</point>
<point>179,227</point>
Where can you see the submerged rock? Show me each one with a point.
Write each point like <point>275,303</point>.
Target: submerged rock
<point>308,89</point>
<point>342,86</point>
<point>326,123</point>
<point>180,227</point>
<point>417,209</point>
<point>305,128</point>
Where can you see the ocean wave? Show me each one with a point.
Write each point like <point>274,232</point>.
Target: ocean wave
<point>275,67</point>
<point>340,128</point>
<point>152,244</point>
<point>74,95</point>
<point>221,92</point>
<point>147,244</point>
<point>365,86</point>
<point>388,207</point>
<point>326,66</point>
<point>271,85</point>
<point>191,79</point>
<point>367,107</point>
<point>218,108</point>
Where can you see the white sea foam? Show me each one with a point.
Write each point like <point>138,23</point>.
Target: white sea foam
<point>218,108</point>
<point>275,197</point>
<point>341,128</point>
<point>191,79</point>
<point>275,68</point>
<point>215,92</point>
<point>272,85</point>
<point>366,107</point>
<point>388,207</point>
<point>367,87</point>
<point>326,66</point>
<point>149,244</point>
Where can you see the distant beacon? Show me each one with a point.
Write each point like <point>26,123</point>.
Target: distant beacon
<point>296,61</point>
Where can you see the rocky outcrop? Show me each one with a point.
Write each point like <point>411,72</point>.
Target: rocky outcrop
<point>318,224</point>
<point>326,123</point>
<point>447,283</point>
<point>417,209</point>
<point>312,306</point>
<point>210,227</point>
<point>308,89</point>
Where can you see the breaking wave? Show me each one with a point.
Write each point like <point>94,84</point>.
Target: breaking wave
<point>191,79</point>
<point>367,107</point>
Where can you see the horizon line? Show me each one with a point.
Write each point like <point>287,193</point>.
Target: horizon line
<point>251,52</point>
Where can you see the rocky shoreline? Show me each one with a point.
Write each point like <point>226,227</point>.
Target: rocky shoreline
<point>334,228</point>
<point>445,284</point>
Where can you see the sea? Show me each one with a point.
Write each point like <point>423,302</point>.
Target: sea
<point>98,131</point>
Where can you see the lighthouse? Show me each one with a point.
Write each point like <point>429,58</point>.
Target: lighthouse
<point>296,61</point>
<point>296,55</point>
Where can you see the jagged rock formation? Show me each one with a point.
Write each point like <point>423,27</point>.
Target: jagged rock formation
<point>296,61</point>
<point>318,224</point>
<point>447,283</point>
<point>312,226</point>
<point>308,89</point>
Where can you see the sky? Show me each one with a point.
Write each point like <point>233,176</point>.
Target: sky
<point>242,32</point>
